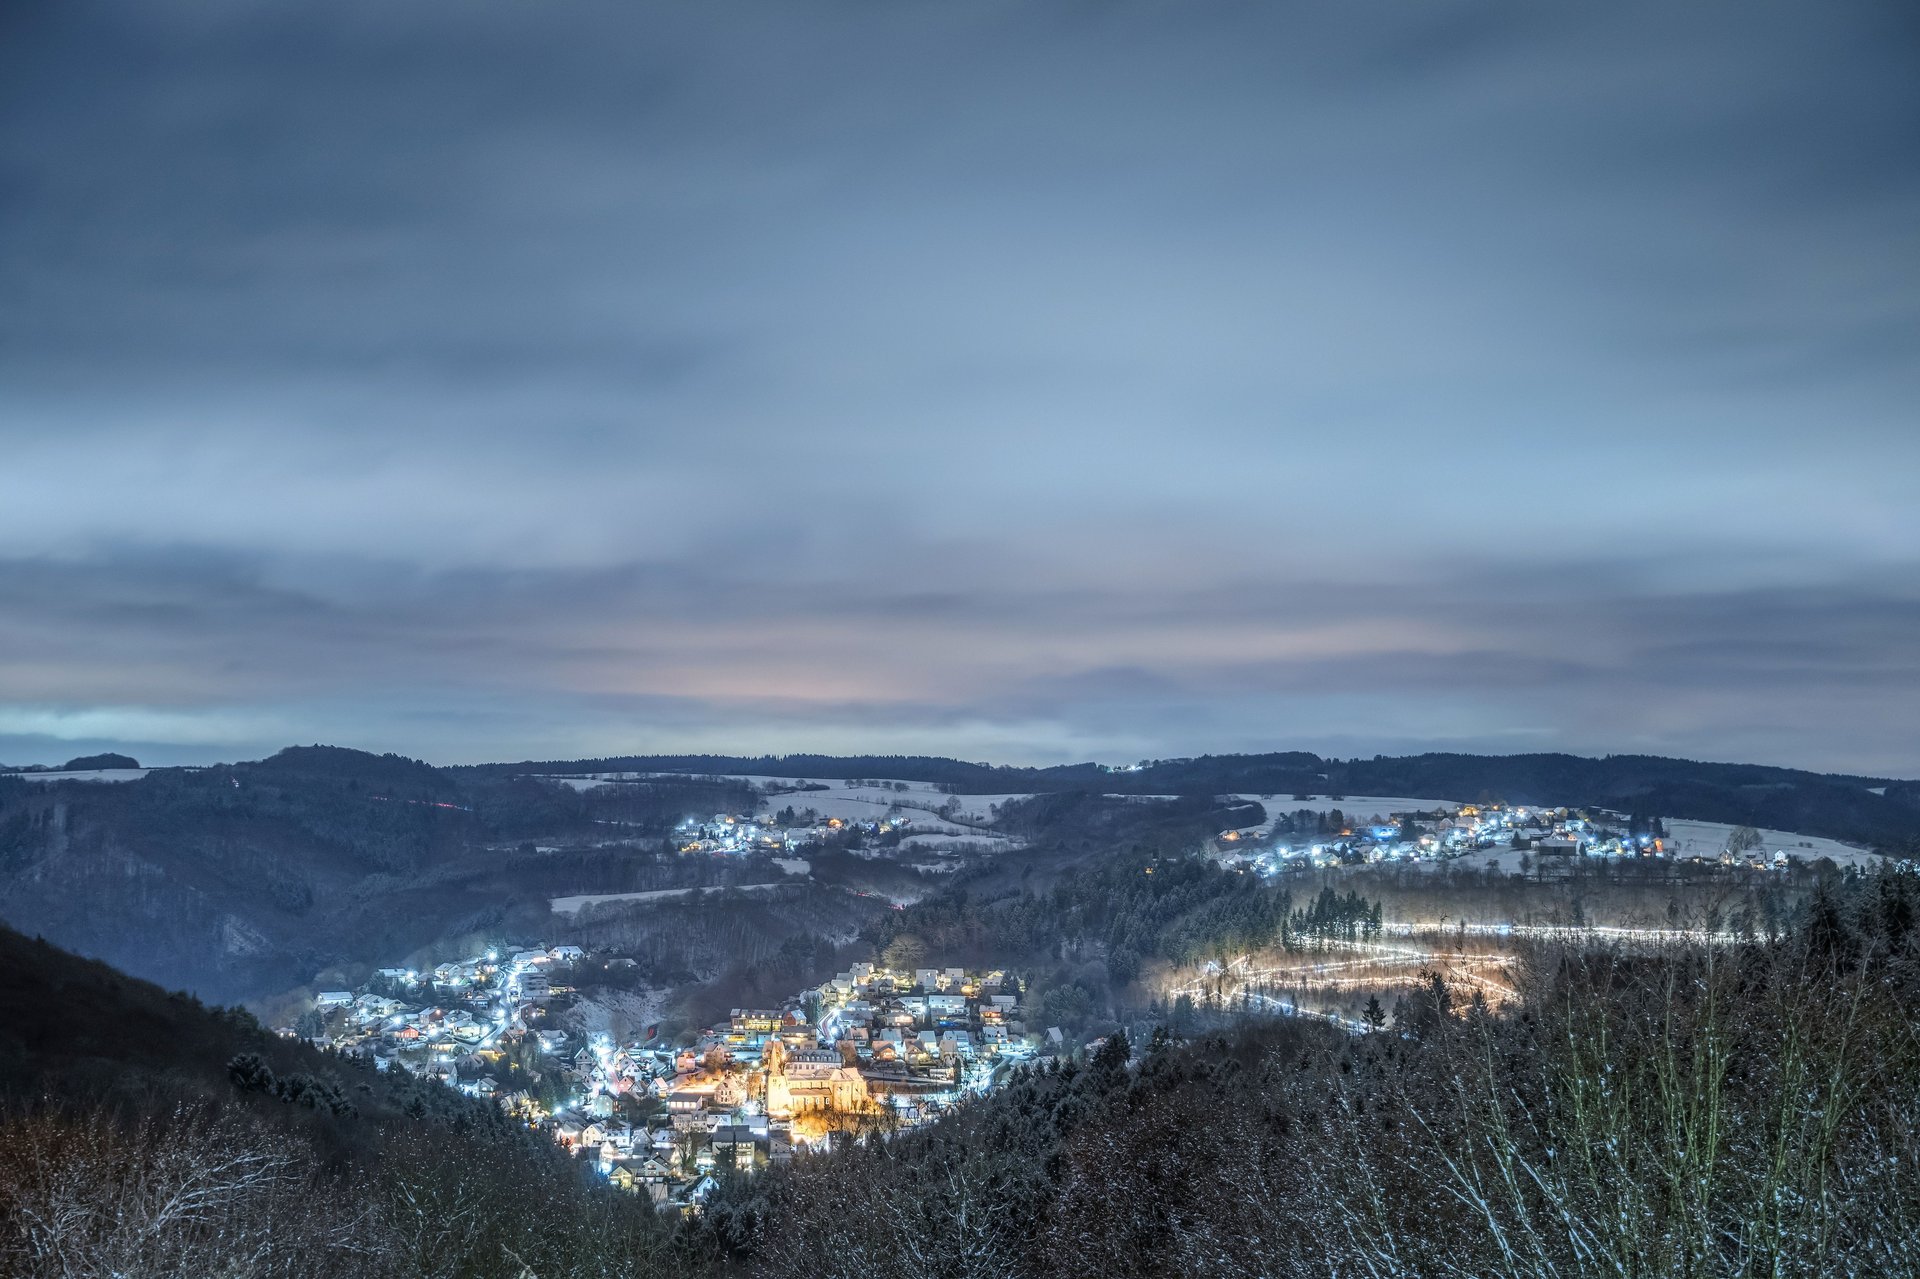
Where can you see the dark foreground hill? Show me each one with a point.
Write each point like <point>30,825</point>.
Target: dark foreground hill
<point>1709,1112</point>
<point>144,1134</point>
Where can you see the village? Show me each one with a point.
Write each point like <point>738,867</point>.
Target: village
<point>869,1051</point>
<point>1364,830</point>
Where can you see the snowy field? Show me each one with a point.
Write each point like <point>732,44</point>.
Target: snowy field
<point>90,775</point>
<point>848,803</point>
<point>871,803</point>
<point>1352,806</point>
<point>573,905</point>
<point>1706,839</point>
<point>962,841</point>
<point>580,783</point>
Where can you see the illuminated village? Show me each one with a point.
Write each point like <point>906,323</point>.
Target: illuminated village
<point>870,1051</point>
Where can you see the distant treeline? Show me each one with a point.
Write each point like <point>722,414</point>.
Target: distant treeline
<point>1838,805</point>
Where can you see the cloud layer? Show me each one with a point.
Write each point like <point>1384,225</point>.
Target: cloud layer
<point>999,380</point>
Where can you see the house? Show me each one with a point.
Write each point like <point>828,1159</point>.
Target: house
<point>686,1108</point>
<point>733,1146</point>
<point>566,954</point>
<point>333,999</point>
<point>696,1194</point>
<point>755,1021</point>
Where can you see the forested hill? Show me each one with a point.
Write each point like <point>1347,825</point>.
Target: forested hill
<point>84,1032</point>
<point>1696,1111</point>
<point>1842,806</point>
<point>242,880</point>
<point>142,1133</point>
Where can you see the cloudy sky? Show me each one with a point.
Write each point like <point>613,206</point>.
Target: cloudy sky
<point>1025,382</point>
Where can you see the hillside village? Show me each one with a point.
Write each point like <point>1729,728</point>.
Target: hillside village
<point>1369,830</point>
<point>869,1050</point>
<point>874,1049</point>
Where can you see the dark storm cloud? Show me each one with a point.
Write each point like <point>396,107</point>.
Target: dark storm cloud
<point>1002,380</point>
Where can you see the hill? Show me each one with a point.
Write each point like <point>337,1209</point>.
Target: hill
<point>1685,1111</point>
<point>1878,811</point>
<point>251,879</point>
<point>241,880</point>
<point>142,1133</point>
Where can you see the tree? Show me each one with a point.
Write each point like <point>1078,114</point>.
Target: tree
<point>1375,1016</point>
<point>250,1073</point>
<point>904,953</point>
<point>1741,839</point>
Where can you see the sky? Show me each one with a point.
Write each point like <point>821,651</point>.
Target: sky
<point>1018,382</point>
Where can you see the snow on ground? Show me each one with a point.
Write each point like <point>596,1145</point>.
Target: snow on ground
<point>847,806</point>
<point>618,1014</point>
<point>917,800</point>
<point>793,865</point>
<point>572,905</point>
<point>579,783</point>
<point>1282,805</point>
<point>1706,839</point>
<point>965,840</point>
<point>849,803</point>
<point>87,775</point>
<point>975,808</point>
